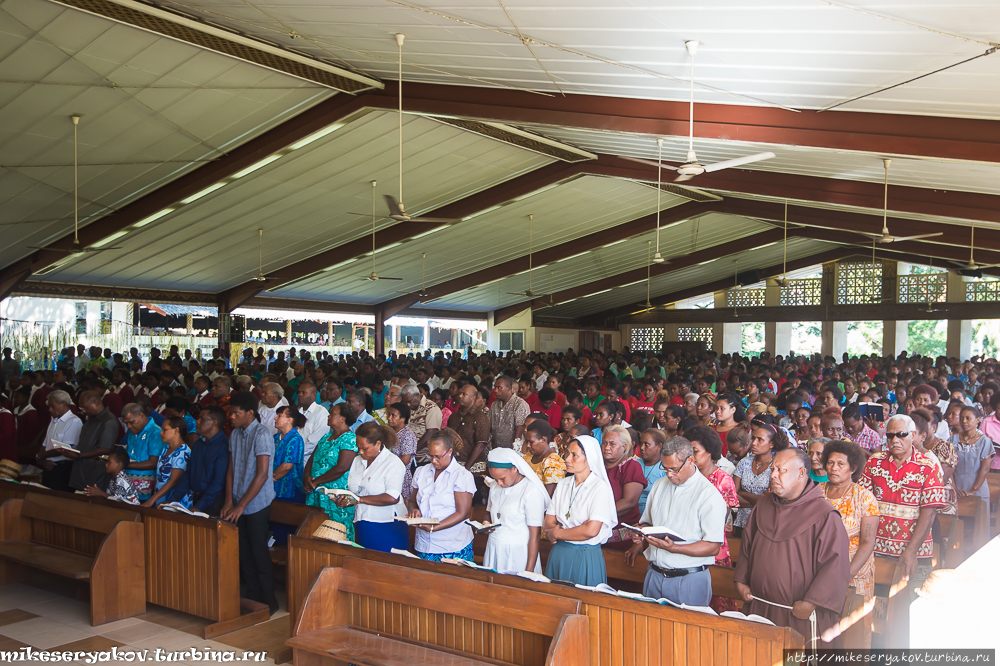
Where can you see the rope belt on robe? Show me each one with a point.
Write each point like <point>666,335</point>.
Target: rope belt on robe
<point>812,621</point>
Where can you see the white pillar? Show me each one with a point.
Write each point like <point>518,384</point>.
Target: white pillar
<point>895,337</point>
<point>427,337</point>
<point>959,330</point>
<point>834,339</point>
<point>777,334</point>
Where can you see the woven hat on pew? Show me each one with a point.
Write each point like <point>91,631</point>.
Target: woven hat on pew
<point>9,469</point>
<point>331,530</point>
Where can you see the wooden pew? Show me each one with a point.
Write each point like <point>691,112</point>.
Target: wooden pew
<point>952,540</point>
<point>192,564</point>
<point>351,615</point>
<point>100,545</point>
<point>304,518</point>
<point>892,605</point>
<point>975,513</point>
<point>622,631</point>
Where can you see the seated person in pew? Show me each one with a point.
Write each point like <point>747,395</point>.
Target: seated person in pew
<point>443,491</point>
<point>795,557</point>
<point>581,516</point>
<point>517,502</point>
<point>145,446</point>
<point>120,487</point>
<point>97,438</point>
<point>172,464</point>
<point>249,493</point>
<point>202,486</point>
<point>685,501</point>
<point>376,477</point>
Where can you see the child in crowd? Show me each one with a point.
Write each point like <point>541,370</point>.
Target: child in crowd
<point>119,487</point>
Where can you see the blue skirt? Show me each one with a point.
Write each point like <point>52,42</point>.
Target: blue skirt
<point>382,536</point>
<point>464,554</point>
<point>582,564</point>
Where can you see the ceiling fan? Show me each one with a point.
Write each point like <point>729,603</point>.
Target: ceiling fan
<point>76,247</point>
<point>783,280</point>
<point>885,236</point>
<point>528,293</point>
<point>396,210</point>
<point>375,277</point>
<point>972,265</point>
<point>692,167</point>
<point>260,277</point>
<point>423,293</point>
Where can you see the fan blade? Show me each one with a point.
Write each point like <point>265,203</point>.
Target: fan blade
<point>963,266</point>
<point>394,209</point>
<point>385,278</point>
<point>436,220</point>
<point>681,179</point>
<point>368,215</point>
<point>866,233</point>
<point>739,161</point>
<point>985,266</point>
<point>896,239</point>
<point>652,163</point>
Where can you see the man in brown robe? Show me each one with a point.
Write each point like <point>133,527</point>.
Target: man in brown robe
<point>794,551</point>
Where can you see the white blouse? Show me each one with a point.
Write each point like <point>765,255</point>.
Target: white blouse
<point>574,505</point>
<point>436,499</point>
<point>384,475</point>
<point>516,509</point>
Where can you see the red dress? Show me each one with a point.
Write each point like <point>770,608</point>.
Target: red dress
<point>627,471</point>
<point>724,483</point>
<point>8,435</point>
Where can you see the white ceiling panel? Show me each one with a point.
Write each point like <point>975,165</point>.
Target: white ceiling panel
<point>152,109</point>
<point>570,210</point>
<point>304,202</point>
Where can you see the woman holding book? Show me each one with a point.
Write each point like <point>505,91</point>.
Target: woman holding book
<point>442,492</point>
<point>286,472</point>
<point>376,479</point>
<point>172,464</point>
<point>329,463</point>
<point>517,503</point>
<point>581,516</point>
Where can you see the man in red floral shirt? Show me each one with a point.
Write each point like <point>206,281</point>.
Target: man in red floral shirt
<point>907,485</point>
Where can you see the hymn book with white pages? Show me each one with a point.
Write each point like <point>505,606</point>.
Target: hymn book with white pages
<point>663,601</point>
<point>656,532</point>
<point>177,507</point>
<point>62,446</point>
<point>479,528</point>
<point>339,492</point>
<point>404,553</point>
<point>753,617</point>
<point>417,521</point>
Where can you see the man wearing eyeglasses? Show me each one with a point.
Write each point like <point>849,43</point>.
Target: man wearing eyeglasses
<point>908,487</point>
<point>687,505</point>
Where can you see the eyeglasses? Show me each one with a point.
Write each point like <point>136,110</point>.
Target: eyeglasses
<point>441,457</point>
<point>892,435</point>
<point>675,470</point>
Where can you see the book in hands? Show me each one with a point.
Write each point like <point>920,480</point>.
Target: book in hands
<point>655,532</point>
<point>62,446</point>
<point>418,521</point>
<point>339,492</point>
<point>180,508</point>
<point>479,528</point>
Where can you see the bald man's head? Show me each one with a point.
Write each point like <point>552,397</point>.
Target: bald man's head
<point>789,473</point>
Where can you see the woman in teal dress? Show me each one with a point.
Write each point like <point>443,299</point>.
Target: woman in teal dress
<point>329,464</point>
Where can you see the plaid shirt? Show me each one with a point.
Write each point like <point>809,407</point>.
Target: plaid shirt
<point>868,439</point>
<point>901,493</point>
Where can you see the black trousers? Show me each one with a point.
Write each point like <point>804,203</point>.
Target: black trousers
<point>255,558</point>
<point>58,478</point>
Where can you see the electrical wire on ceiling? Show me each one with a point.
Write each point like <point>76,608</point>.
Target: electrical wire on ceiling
<point>909,24</point>
<point>588,56</point>
<point>527,43</point>
<point>989,51</point>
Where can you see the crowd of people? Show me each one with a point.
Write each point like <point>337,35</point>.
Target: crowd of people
<point>818,466</point>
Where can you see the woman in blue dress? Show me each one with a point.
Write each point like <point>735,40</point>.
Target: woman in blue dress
<point>329,464</point>
<point>172,463</point>
<point>286,468</point>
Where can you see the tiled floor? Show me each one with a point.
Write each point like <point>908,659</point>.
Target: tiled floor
<point>46,616</point>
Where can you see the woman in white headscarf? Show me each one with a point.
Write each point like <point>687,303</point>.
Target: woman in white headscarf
<point>517,502</point>
<point>580,516</point>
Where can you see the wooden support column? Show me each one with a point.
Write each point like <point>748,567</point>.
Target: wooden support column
<point>288,332</point>
<point>379,331</point>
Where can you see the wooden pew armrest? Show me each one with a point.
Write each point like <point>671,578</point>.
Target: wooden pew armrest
<point>321,609</point>
<point>571,643</point>
<point>13,526</point>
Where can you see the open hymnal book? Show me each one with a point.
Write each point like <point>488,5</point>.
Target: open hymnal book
<point>338,492</point>
<point>530,575</point>
<point>465,563</point>
<point>479,527</point>
<point>666,602</point>
<point>36,485</point>
<point>62,446</point>
<point>180,508</point>
<point>418,521</point>
<point>753,617</point>
<point>656,532</point>
<point>404,553</point>
<point>600,587</point>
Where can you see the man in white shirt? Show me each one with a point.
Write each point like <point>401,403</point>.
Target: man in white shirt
<point>687,504</point>
<point>64,430</point>
<point>272,397</point>
<point>317,417</point>
<point>82,360</point>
